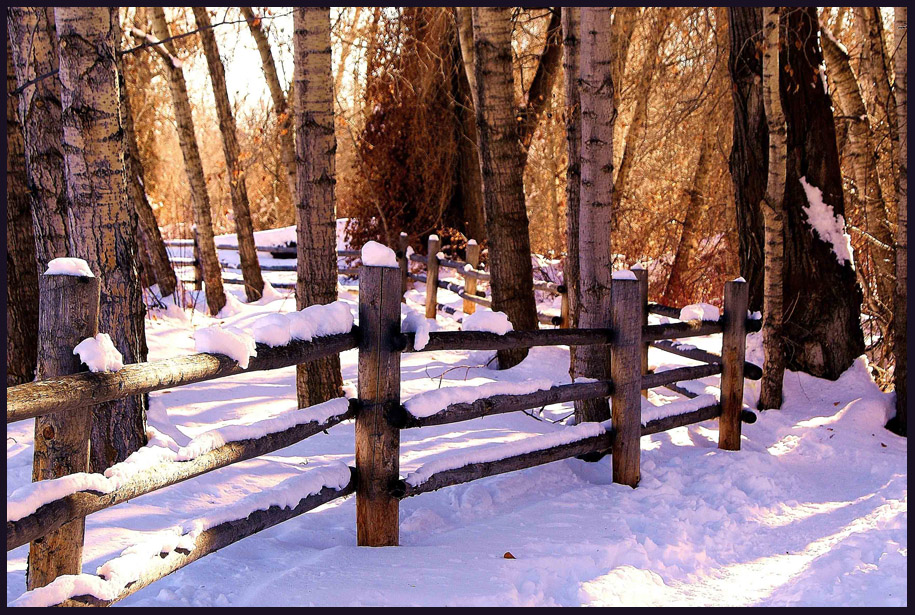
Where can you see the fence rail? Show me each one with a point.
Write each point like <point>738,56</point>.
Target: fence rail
<point>378,413</point>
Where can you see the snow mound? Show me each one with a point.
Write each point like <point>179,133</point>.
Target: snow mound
<point>828,226</point>
<point>232,342</point>
<point>417,323</point>
<point>99,354</point>
<point>624,274</point>
<point>700,311</point>
<point>27,499</point>
<point>69,266</point>
<point>489,321</point>
<point>375,254</point>
<point>273,330</point>
<point>331,319</point>
<point>431,402</point>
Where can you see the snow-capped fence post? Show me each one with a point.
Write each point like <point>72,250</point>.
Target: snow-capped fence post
<point>404,262</point>
<point>564,307</point>
<point>470,284</point>
<point>626,375</point>
<point>733,353</point>
<point>435,245</point>
<point>198,271</point>
<point>377,441</point>
<point>642,275</point>
<point>67,314</point>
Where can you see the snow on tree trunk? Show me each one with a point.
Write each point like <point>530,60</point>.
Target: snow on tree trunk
<point>821,297</point>
<point>316,144</point>
<point>235,172</point>
<point>773,209</point>
<point>34,46</point>
<point>571,24</point>
<point>21,266</point>
<point>502,166</point>
<point>280,103</point>
<point>598,116</point>
<point>102,224</point>
<point>900,342</point>
<point>200,199</point>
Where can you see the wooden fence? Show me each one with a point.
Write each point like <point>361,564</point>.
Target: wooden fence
<point>61,404</point>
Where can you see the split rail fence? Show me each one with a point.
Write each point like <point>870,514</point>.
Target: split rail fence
<point>62,401</point>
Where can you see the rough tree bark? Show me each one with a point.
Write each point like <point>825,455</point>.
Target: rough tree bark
<point>280,103</point>
<point>821,298</point>
<point>502,167</point>
<point>772,205</point>
<point>34,47</point>
<point>624,22</point>
<point>571,24</point>
<point>538,94</point>
<point>899,423</point>
<point>235,172</point>
<point>21,265</point>
<point>463,16</point>
<point>200,199</point>
<point>102,224</point>
<point>316,281</point>
<point>150,242</point>
<point>860,153</point>
<point>598,116</point>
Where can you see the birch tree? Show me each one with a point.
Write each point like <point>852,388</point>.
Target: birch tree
<point>900,344</point>
<point>200,199</point>
<point>235,172</point>
<point>102,224</point>
<point>598,116</point>
<point>772,205</point>
<point>316,281</point>
<point>34,49</point>
<point>571,24</point>
<point>502,166</point>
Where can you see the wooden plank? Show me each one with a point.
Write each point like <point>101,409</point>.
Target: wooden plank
<point>662,379</point>
<point>377,442</point>
<point>470,283</point>
<point>218,537</point>
<point>403,244</point>
<point>750,370</point>
<point>733,354</point>
<point>674,330</point>
<point>435,245</point>
<point>679,420</point>
<point>67,314</point>
<point>664,310</point>
<point>500,404</point>
<point>482,340</point>
<point>78,390</point>
<point>626,374</point>
<point>78,505</point>
<point>641,275</point>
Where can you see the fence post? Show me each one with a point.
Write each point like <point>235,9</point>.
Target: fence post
<point>198,271</point>
<point>67,314</point>
<point>377,442</point>
<point>642,275</point>
<point>404,262</point>
<point>626,374</point>
<point>733,354</point>
<point>470,284</point>
<point>435,245</point>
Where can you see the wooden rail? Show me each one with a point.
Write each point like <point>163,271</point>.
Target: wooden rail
<point>378,412</point>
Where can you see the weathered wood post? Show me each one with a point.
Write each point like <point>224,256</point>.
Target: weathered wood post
<point>642,275</point>
<point>404,262</point>
<point>626,374</point>
<point>198,270</point>
<point>733,354</point>
<point>435,245</point>
<point>377,442</point>
<point>67,314</point>
<point>470,284</point>
<point>564,308</point>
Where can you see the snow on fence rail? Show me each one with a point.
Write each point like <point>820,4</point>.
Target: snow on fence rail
<point>54,510</point>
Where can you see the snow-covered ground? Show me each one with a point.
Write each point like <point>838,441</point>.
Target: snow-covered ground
<point>812,511</point>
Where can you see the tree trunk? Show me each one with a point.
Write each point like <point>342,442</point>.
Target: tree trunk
<point>21,265</point>
<point>34,46</point>
<point>598,116</point>
<point>200,199</point>
<point>316,281</point>
<point>149,238</point>
<point>102,224</point>
<point>463,16</point>
<point>624,21</point>
<point>637,127</point>
<point>235,172</point>
<point>899,423</point>
<point>541,88</point>
<point>571,25</point>
<point>770,394</point>
<point>821,298</point>
<point>694,207</point>
<point>502,167</point>
<point>280,103</point>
